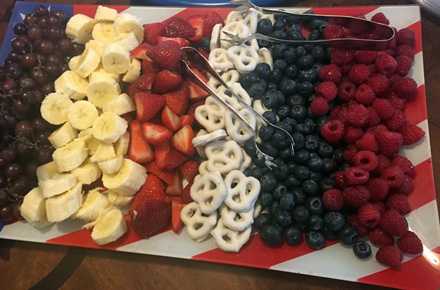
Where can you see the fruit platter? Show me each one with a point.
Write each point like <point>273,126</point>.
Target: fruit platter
<point>240,136</point>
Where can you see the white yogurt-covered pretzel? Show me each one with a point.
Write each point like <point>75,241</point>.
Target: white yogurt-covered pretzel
<point>266,56</point>
<point>247,161</point>
<point>235,127</point>
<point>211,115</point>
<point>202,140</point>
<point>209,191</point>
<point>230,77</point>
<point>247,16</point>
<point>224,156</point>
<point>219,60</point>
<point>257,209</point>
<point>198,224</point>
<point>228,240</point>
<point>234,220</point>
<point>215,36</point>
<point>202,168</point>
<point>244,58</point>
<point>201,149</point>
<point>237,28</point>
<point>242,191</point>
<point>259,107</point>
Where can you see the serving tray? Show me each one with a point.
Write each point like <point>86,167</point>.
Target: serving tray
<point>333,261</point>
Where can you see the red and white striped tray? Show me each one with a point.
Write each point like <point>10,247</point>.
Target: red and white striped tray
<point>333,261</point>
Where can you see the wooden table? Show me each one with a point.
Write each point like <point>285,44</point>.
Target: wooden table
<point>24,265</point>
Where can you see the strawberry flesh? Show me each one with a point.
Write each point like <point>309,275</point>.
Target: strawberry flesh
<point>210,19</point>
<point>147,105</point>
<point>150,217</point>
<point>152,31</point>
<point>166,55</point>
<point>176,187</point>
<point>196,21</point>
<point>174,159</point>
<point>182,140</point>
<point>166,81</point>
<point>177,100</point>
<point>171,120</point>
<point>139,150</point>
<point>176,221</point>
<point>155,134</point>
<point>141,51</point>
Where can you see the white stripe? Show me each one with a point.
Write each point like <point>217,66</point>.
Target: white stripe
<point>416,72</point>
<point>420,151</point>
<point>153,14</point>
<point>399,16</point>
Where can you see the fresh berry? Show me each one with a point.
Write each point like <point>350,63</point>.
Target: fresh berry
<point>176,187</point>
<point>182,140</point>
<point>356,175</point>
<point>341,56</point>
<point>331,73</point>
<point>333,31</point>
<point>145,81</point>
<point>166,81</point>
<point>379,83</point>
<point>176,209</point>
<point>152,31</point>
<point>179,40</point>
<point>375,130</point>
<point>174,159</point>
<point>346,91</point>
<point>405,165</point>
<point>196,22</point>
<point>339,113</point>
<point>160,154</point>
<point>383,162</point>
<point>166,55</point>
<point>378,188</point>
<point>147,105</point>
<point>383,108</point>
<point>315,240</point>
<point>352,134</point>
<point>153,188</point>
<point>356,195</point>
<point>368,142</point>
<point>334,220</point>
<point>378,237</point>
<point>348,235</point>
<point>193,107</point>
<point>163,173</point>
<point>333,199</point>
<point>170,120</point>
<point>210,19</point>
<point>368,215</point>
<point>333,131</point>
<point>406,187</point>
<point>178,27</point>
<point>141,51</point>
<point>385,64</point>
<point>399,202</point>
<point>149,67</point>
<point>139,150</point>
<point>357,115</point>
<point>186,193</point>
<point>270,235</point>
<point>404,64</point>
<point>319,106</point>
<point>339,179</point>
<point>366,160</point>
<point>411,133</point>
<point>189,169</point>
<point>362,250</point>
<point>360,228</point>
<point>196,93</point>
<point>155,134</point>
<point>397,102</point>
<point>393,175</point>
<point>187,120</point>
<point>177,100</point>
<point>365,56</point>
<point>393,223</point>
<point>328,90</point>
<point>396,121</point>
<point>150,217</point>
<point>389,143</point>
<point>410,243</point>
<point>373,118</point>
<point>349,153</point>
<point>406,50</point>
<point>381,18</point>
<point>358,74</point>
<point>405,36</point>
<point>405,88</point>
<point>390,256</point>
<point>365,94</point>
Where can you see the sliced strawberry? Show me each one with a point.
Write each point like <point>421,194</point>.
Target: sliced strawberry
<point>177,100</point>
<point>152,188</point>
<point>151,31</point>
<point>176,209</point>
<point>128,117</point>
<point>166,55</point>
<point>132,90</point>
<point>148,66</point>
<point>160,154</point>
<point>166,81</point>
<point>175,158</point>
<point>164,174</point>
<point>147,105</point>
<point>181,41</point>
<point>186,193</point>
<point>178,27</point>
<point>196,21</point>
<point>141,51</point>
<point>192,109</point>
<point>150,217</point>
<point>186,120</point>
<point>171,120</point>
<point>176,187</point>
<point>210,19</point>
<point>155,134</point>
<point>144,82</point>
<point>139,150</point>
<point>189,169</point>
<point>196,93</point>
<point>182,140</point>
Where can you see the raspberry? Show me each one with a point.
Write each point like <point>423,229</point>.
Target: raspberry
<point>373,118</point>
<point>330,73</point>
<point>368,142</point>
<point>333,199</point>
<point>357,115</point>
<point>341,56</point>
<point>372,69</point>
<point>390,256</point>
<point>405,49</point>
<point>389,143</point>
<point>368,215</point>
<point>381,18</point>
<point>346,91</point>
<point>393,78</point>
<point>383,108</point>
<point>365,56</point>
<point>405,36</point>
<point>358,74</point>
<point>410,243</point>
<point>404,64</point>
<point>380,238</point>
<point>339,113</point>
<point>399,202</point>
<point>332,131</point>
<point>405,165</point>
<point>393,175</point>
<point>360,228</point>
<point>393,223</point>
<point>381,207</point>
<point>383,162</point>
<point>333,31</point>
<point>385,64</point>
<point>411,133</point>
<point>319,106</point>
<point>345,69</point>
<point>396,121</point>
<point>379,83</point>
<point>364,94</point>
<point>356,195</point>
<point>356,175</point>
<point>349,153</point>
<point>396,102</point>
<point>327,90</point>
<point>406,187</point>
<point>352,134</point>
<point>366,160</point>
<point>375,130</point>
<point>339,179</point>
<point>405,88</point>
<point>378,189</point>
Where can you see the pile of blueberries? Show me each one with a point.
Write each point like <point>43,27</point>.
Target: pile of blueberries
<point>291,192</point>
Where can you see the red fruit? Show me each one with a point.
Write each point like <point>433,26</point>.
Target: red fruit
<point>396,121</point>
<point>186,193</point>
<point>389,143</point>
<point>196,93</point>
<point>365,56</point>
<point>360,228</point>
<point>319,106</point>
<point>349,153</point>
<point>368,142</point>
<point>330,73</point>
<point>141,51</point>
<point>160,154</point>
<point>358,74</point>
<point>373,118</point>
<point>339,179</point>
<point>368,215</point>
<point>406,187</point>
<point>177,100</point>
<point>166,81</point>
<point>189,169</point>
<point>176,221</point>
<point>410,243</point>
<point>405,165</point>
<point>385,64</point>
<point>339,113</point>
<point>174,159</point>
<point>355,175</point>
<point>357,115</point>
<point>390,256</point>
<point>393,223</point>
<point>396,102</point>
<point>333,199</point>
<point>186,120</point>
<point>149,67</point>
<point>193,108</point>
<point>151,31</point>
<point>340,56</point>
<point>379,83</point>
<point>393,175</point>
<point>153,187</point>
<point>179,40</point>
<point>366,160</point>
<point>411,133</point>
<point>139,150</point>
<point>333,31</point>
<point>365,94</point>
<point>405,88</point>
<point>404,64</point>
<point>166,55</point>
<point>327,90</point>
<point>356,195</point>
<point>406,50</point>
<point>378,188</point>
<point>203,52</point>
<point>144,82</point>
<point>399,202</point>
<point>375,130</point>
<point>150,217</point>
<point>147,105</point>
<point>405,36</point>
<point>182,140</point>
<point>196,22</point>
<point>162,173</point>
<point>380,238</point>
<point>352,134</point>
<point>333,131</point>
<point>155,134</point>
<point>383,162</point>
<point>210,19</point>
<point>170,120</point>
<point>178,27</point>
<point>346,91</point>
<point>381,18</point>
<point>175,188</point>
<point>383,108</point>
<point>132,90</point>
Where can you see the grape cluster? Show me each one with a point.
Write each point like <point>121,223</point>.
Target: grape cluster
<point>40,53</point>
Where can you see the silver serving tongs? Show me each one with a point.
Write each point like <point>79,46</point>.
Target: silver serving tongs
<point>383,31</point>
<point>190,54</point>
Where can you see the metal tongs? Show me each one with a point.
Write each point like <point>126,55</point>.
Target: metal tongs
<point>191,55</point>
<point>385,32</point>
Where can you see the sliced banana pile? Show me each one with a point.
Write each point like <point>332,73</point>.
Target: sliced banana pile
<point>92,140</point>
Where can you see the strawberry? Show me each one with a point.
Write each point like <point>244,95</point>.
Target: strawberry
<point>178,27</point>
<point>160,153</point>
<point>132,90</point>
<point>150,217</point>
<point>203,52</point>
<point>186,193</point>
<point>139,150</point>
<point>164,174</point>
<point>155,134</point>
<point>141,51</point>
<point>144,82</point>
<point>177,100</point>
<point>166,81</point>
<point>192,109</point>
<point>210,19</point>
<point>128,117</point>
<point>148,66</point>
<point>147,105</point>
<point>182,140</point>
<point>196,21</point>
<point>176,187</point>
<point>176,221</point>
<point>152,188</point>
<point>151,31</point>
<point>189,169</point>
<point>171,120</point>
<point>196,93</point>
<point>174,159</point>
<point>166,55</point>
<point>181,41</point>
<point>186,120</point>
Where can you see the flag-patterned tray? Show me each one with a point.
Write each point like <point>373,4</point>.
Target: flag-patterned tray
<point>333,261</point>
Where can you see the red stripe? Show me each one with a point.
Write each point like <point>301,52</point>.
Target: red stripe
<point>417,28</point>
<point>256,254</point>
<point>188,12</point>
<point>424,190</point>
<point>418,273</point>
<point>415,111</point>
<point>344,11</point>
<point>90,10</point>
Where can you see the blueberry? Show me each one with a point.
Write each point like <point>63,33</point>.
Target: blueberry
<point>298,113</point>
<point>257,172</point>
<point>260,162</point>
<point>292,165</point>
<point>282,218</point>
<point>314,35</point>
<point>256,90</point>
<point>309,75</point>
<point>329,235</point>
<point>270,235</point>
<point>315,206</point>
<point>280,64</point>
<point>338,155</point>
<point>315,240</point>
<point>278,34</point>
<point>310,123</point>
<point>264,219</point>
<point>329,165</point>
<point>250,148</point>
<point>344,166</point>
<point>206,42</point>
<point>318,54</point>
<point>300,51</point>
<point>247,172</point>
<point>271,86</point>
<point>294,35</point>
<point>308,20</point>
<point>348,235</point>
<point>263,71</point>
<point>274,207</point>
<point>325,149</point>
<point>311,143</point>
<point>292,19</point>
<point>301,173</point>
<point>278,25</point>
<point>281,171</point>
<point>292,235</point>
<point>334,220</point>
<point>286,154</point>
<point>285,126</point>
<point>302,128</point>
<point>309,187</point>
<point>292,71</point>
<point>315,223</point>
<point>247,80</point>
<point>279,191</point>
<point>300,213</point>
<point>290,121</point>
<point>305,89</point>
<point>264,26</point>
<point>268,182</point>
<point>315,24</point>
<point>301,156</point>
<point>270,99</point>
<point>316,176</point>
<point>283,111</point>
<point>291,182</point>
<point>264,43</point>
<point>266,199</point>
<point>295,99</point>
<point>276,75</point>
<point>321,121</point>
<point>310,114</point>
<point>263,83</point>
<point>294,27</point>
<point>287,87</point>
<point>313,154</point>
<point>362,249</point>
<point>299,195</point>
<point>266,132</point>
<point>299,140</point>
<point>287,201</point>
<point>277,51</point>
<point>269,149</point>
<point>327,183</point>
<point>314,163</point>
<point>270,116</point>
<point>289,56</point>
<point>280,140</point>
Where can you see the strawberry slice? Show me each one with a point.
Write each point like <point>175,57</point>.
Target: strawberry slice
<point>147,105</point>
<point>171,120</point>
<point>148,66</point>
<point>166,55</point>
<point>177,100</point>
<point>152,188</point>
<point>176,187</point>
<point>186,120</point>
<point>186,193</point>
<point>141,51</point>
<point>166,81</point>
<point>155,134</point>
<point>182,140</point>
<point>189,169</point>
<point>176,209</point>
<point>196,93</point>
<point>210,19</point>
<point>174,159</point>
<point>150,217</point>
<point>152,30</point>
<point>178,27</point>
<point>196,21</point>
<point>181,41</point>
<point>144,82</point>
<point>139,150</point>
<point>164,174</point>
<point>160,154</point>
<point>132,90</point>
<point>192,109</point>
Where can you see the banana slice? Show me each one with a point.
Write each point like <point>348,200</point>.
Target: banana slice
<point>99,72</point>
<point>46,171</point>
<point>128,180</point>
<point>115,58</point>
<point>105,14</point>
<point>116,199</point>
<point>95,203</point>
<point>92,143</point>
<point>70,156</point>
<point>62,206</point>
<point>120,105</point>
<point>63,135</point>
<point>80,27</point>
<point>121,146</point>
<point>87,173</point>
<point>104,32</point>
<point>73,62</point>
<point>134,71</point>
<point>127,40</point>
<point>57,184</point>
<point>103,153</point>
<point>97,45</point>
<point>87,62</point>
<point>72,85</point>
<point>109,127</point>
<point>111,166</point>
<point>102,90</point>
<point>109,227</point>
<point>129,23</point>
<point>82,114</point>
<point>33,208</point>
<point>54,108</point>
